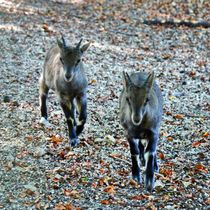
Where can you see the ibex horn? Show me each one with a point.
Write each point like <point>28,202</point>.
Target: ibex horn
<point>78,45</point>
<point>64,42</point>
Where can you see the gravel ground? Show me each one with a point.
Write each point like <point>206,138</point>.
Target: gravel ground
<point>39,170</point>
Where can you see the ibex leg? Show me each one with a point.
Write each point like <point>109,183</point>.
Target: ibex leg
<point>43,93</point>
<point>134,149</point>
<point>141,150</point>
<point>82,109</point>
<point>151,161</point>
<point>69,111</point>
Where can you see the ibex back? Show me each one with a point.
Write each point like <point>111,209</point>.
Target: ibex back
<point>140,115</point>
<point>64,73</point>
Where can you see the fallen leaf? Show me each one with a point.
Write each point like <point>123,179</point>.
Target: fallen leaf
<point>150,205</point>
<point>137,197</point>
<point>47,28</point>
<point>110,189</point>
<point>29,138</point>
<point>192,73</point>
<point>31,187</point>
<point>55,139</point>
<point>170,138</point>
<point>161,156</point>
<point>62,154</point>
<point>179,116</point>
<point>166,56</point>
<point>73,193</point>
<point>201,167</point>
<point>133,183</point>
<point>207,201</point>
<point>105,202</point>
<point>104,180</point>
<point>196,144</point>
<point>94,185</point>
<point>92,82</point>
<point>115,155</point>
<point>166,172</point>
<point>102,170</point>
<point>206,134</point>
<point>61,206</point>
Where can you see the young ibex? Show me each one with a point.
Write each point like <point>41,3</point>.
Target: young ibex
<point>140,115</point>
<point>64,73</point>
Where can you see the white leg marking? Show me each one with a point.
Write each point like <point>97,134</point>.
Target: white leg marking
<point>146,157</point>
<point>137,159</point>
<point>79,122</point>
<point>44,122</point>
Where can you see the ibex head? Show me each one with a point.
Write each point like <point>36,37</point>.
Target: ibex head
<point>138,97</point>
<point>70,58</point>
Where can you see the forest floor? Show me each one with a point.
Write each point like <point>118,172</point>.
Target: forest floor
<point>38,169</point>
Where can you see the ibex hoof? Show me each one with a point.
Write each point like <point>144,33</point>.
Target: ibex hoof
<point>74,142</point>
<point>137,178</point>
<point>44,122</point>
<point>149,185</point>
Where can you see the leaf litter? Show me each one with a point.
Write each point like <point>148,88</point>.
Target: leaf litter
<point>38,168</point>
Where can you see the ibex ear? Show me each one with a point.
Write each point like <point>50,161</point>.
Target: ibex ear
<point>127,80</point>
<point>149,82</point>
<point>84,47</point>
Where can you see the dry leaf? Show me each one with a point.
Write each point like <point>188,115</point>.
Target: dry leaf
<point>133,183</point>
<point>170,138</point>
<point>110,189</point>
<point>29,138</point>
<point>73,193</point>
<point>196,144</point>
<point>206,134</point>
<point>166,56</point>
<point>137,197</point>
<point>115,155</point>
<point>207,201</point>
<point>93,81</point>
<point>102,170</point>
<point>201,167</point>
<point>166,172</point>
<point>61,206</point>
<point>106,202</point>
<point>55,139</point>
<point>179,116</point>
<point>94,185</point>
<point>161,156</point>
<point>192,73</point>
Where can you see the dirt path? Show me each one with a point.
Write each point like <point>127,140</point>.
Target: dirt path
<point>38,169</point>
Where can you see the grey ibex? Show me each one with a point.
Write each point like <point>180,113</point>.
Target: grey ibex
<point>64,73</point>
<point>140,115</point>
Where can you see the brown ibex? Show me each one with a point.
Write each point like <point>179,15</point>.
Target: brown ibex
<point>140,115</point>
<point>64,73</point>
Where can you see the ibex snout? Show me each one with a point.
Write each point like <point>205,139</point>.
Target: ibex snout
<point>69,77</point>
<point>136,119</point>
